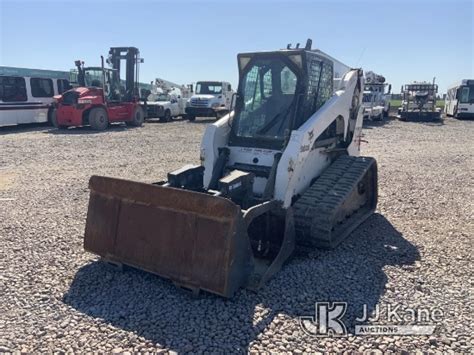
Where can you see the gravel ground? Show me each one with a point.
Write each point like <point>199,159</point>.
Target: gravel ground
<point>416,251</point>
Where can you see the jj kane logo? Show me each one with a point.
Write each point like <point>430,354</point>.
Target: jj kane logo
<point>328,320</point>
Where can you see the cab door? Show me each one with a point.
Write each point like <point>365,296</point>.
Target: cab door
<point>42,92</point>
<point>174,105</point>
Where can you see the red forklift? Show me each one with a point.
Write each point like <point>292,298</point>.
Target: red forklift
<point>101,97</point>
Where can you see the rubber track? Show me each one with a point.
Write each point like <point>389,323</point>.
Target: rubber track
<point>314,209</point>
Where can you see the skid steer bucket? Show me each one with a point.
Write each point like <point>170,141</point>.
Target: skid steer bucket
<point>197,240</point>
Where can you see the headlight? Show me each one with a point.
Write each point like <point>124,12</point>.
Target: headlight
<point>84,102</point>
<point>215,105</point>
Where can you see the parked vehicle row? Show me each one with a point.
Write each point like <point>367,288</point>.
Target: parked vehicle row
<point>97,96</point>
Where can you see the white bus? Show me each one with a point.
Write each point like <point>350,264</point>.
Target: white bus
<point>26,94</point>
<point>459,101</point>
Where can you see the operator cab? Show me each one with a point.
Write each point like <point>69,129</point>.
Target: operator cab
<point>94,76</point>
<point>278,91</point>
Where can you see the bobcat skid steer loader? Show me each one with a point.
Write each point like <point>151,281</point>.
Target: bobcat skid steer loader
<point>280,171</point>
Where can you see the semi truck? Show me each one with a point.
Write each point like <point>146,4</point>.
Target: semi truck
<point>376,98</point>
<point>419,102</point>
<point>210,99</point>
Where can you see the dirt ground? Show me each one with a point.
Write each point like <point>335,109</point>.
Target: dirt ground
<point>416,251</point>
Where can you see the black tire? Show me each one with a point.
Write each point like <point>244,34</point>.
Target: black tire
<point>191,118</point>
<point>387,113</point>
<point>400,115</point>
<point>98,119</point>
<point>166,117</point>
<point>53,119</point>
<point>145,111</point>
<point>138,117</point>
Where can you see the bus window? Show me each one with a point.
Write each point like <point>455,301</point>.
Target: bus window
<point>63,85</point>
<point>464,97</point>
<point>12,89</point>
<point>42,87</point>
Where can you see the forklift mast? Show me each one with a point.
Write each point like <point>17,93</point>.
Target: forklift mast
<point>131,55</point>
<point>80,72</point>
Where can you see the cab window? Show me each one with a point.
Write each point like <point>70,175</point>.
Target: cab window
<point>266,106</point>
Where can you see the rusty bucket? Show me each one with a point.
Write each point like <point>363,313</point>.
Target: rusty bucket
<point>197,240</point>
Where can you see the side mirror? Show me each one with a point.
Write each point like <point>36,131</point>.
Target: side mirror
<point>389,88</point>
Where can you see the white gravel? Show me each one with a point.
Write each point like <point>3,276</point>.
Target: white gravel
<point>416,251</point>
